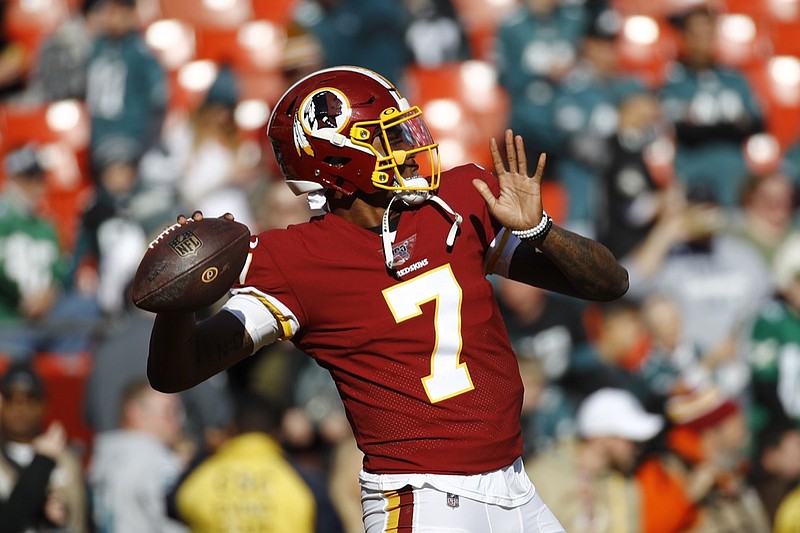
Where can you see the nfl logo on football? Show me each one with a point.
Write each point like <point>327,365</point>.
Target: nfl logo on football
<point>187,243</point>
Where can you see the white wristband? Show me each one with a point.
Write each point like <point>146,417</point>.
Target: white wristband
<point>537,232</point>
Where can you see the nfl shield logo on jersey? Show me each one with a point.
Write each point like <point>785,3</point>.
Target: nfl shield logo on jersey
<point>452,500</point>
<point>402,252</point>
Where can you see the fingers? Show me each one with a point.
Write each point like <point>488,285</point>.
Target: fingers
<point>484,191</point>
<point>522,160</point>
<point>497,159</point>
<point>228,216</point>
<point>511,152</point>
<point>540,167</point>
<point>515,155</point>
<point>196,216</point>
<point>59,434</point>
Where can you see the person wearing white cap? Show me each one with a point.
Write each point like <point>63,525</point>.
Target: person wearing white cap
<point>590,489</point>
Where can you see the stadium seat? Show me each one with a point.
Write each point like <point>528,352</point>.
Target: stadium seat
<point>173,42</point>
<point>279,12</point>
<point>777,82</point>
<point>742,39</point>
<point>646,46</point>
<point>555,200</point>
<point>661,8</point>
<point>252,51</point>
<point>754,8</point>
<point>784,35</point>
<point>65,376</point>
<point>202,14</point>
<point>256,45</point>
<point>30,22</point>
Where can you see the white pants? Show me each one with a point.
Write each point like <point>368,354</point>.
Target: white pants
<point>427,510</point>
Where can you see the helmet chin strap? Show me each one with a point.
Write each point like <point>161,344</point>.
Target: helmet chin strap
<point>414,198</point>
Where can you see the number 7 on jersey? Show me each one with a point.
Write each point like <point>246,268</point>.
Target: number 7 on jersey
<point>449,377</point>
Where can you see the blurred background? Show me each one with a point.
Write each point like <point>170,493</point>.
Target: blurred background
<point>672,130</point>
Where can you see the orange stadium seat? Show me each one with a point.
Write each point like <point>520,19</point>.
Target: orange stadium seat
<point>555,200</point>
<point>743,40</point>
<point>754,8</point>
<point>646,46</point>
<point>256,45</point>
<point>253,51</point>
<point>30,22</point>
<point>206,14</point>
<point>278,11</point>
<point>777,83</point>
<point>172,41</point>
<point>219,45</point>
<point>784,35</point>
<point>660,8</point>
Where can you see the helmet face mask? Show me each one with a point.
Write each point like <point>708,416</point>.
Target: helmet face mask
<point>348,129</point>
<point>406,151</point>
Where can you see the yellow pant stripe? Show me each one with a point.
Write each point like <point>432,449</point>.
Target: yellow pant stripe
<point>393,510</point>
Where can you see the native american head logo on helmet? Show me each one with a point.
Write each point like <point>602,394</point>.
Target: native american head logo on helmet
<point>323,109</point>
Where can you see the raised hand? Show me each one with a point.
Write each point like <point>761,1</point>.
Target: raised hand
<point>52,442</point>
<point>519,205</point>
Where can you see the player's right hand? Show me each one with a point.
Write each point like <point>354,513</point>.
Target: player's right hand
<point>198,215</point>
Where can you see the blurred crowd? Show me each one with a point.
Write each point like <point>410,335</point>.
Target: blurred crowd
<point>674,409</point>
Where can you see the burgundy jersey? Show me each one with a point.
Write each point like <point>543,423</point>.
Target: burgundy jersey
<point>421,358</point>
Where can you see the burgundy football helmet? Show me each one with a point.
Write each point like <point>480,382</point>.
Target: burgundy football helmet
<point>348,128</point>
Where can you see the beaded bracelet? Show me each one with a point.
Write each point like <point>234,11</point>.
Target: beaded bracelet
<point>537,233</point>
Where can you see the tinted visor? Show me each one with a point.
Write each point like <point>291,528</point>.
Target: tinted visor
<point>410,144</point>
<point>408,135</point>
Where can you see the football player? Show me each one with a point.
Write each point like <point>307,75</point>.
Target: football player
<point>388,291</point>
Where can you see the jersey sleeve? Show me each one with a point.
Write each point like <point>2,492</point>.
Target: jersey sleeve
<point>501,250</point>
<point>257,318</point>
<point>262,281</point>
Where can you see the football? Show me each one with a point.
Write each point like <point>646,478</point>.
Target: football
<point>191,266</point>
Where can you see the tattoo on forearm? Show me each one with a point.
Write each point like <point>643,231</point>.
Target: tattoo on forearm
<point>228,345</point>
<point>586,263</point>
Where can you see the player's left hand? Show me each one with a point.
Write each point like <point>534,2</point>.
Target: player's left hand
<point>519,205</point>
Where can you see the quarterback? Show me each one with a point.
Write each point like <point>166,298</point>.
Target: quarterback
<point>388,291</point>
